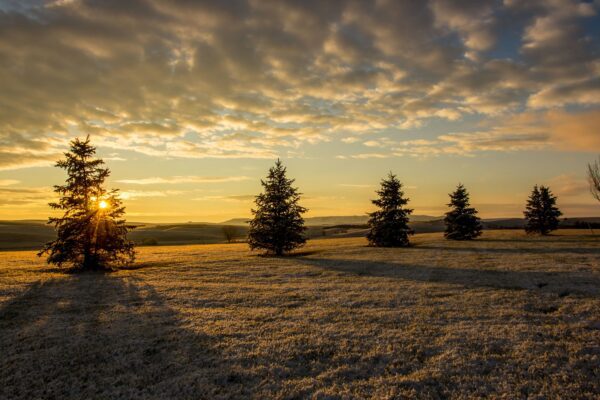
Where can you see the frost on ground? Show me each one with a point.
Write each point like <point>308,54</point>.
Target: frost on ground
<point>505,316</point>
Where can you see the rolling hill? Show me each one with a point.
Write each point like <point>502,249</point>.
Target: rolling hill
<point>333,220</point>
<point>32,234</point>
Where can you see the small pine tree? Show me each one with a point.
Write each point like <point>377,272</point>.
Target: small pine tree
<point>388,226</point>
<point>277,226</point>
<point>541,213</point>
<point>91,233</point>
<point>462,222</point>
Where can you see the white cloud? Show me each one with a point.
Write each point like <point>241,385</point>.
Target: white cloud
<point>473,20</point>
<point>355,185</point>
<point>135,194</point>
<point>363,156</point>
<point>247,79</point>
<point>586,91</point>
<point>25,197</point>
<point>183,179</point>
<point>240,198</point>
<point>569,185</point>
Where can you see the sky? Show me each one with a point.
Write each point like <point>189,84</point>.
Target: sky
<point>191,102</point>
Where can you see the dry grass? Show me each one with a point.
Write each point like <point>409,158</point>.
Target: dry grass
<point>502,317</point>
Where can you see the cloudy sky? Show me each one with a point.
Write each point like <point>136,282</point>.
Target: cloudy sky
<point>190,102</point>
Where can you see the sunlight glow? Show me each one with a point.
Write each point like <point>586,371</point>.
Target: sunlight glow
<point>102,205</point>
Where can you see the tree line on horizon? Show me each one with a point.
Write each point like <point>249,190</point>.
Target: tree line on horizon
<point>92,231</point>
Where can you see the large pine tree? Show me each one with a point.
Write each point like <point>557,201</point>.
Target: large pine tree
<point>462,222</point>
<point>388,226</point>
<point>541,213</point>
<point>91,233</point>
<point>277,226</point>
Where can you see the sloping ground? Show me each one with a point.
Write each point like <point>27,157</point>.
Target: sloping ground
<point>24,234</point>
<point>505,316</point>
<point>27,235</point>
<point>334,220</point>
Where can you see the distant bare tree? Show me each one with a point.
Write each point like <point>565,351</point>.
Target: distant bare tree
<point>594,178</point>
<point>230,232</point>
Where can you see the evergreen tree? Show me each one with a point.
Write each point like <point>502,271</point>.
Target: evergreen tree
<point>388,226</point>
<point>91,233</point>
<point>541,213</point>
<point>277,225</point>
<point>462,222</point>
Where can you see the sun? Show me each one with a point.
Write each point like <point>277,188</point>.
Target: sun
<point>102,204</point>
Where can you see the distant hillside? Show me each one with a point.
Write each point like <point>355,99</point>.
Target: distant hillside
<point>25,234</point>
<point>32,234</point>
<point>236,221</point>
<point>16,235</point>
<point>512,223</point>
<point>334,220</point>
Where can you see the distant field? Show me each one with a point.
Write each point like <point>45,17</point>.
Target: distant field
<point>27,235</point>
<point>506,316</point>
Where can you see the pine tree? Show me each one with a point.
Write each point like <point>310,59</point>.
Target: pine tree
<point>541,213</point>
<point>91,233</point>
<point>389,224</point>
<point>277,226</point>
<point>462,222</point>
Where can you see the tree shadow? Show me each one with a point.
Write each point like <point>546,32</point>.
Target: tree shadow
<point>303,253</point>
<point>292,254</point>
<point>559,283</point>
<point>512,250</point>
<point>555,238</point>
<point>103,336</point>
<point>143,265</point>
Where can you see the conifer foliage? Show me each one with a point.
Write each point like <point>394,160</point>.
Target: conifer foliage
<point>277,226</point>
<point>388,226</point>
<point>541,213</point>
<point>462,222</point>
<point>91,233</point>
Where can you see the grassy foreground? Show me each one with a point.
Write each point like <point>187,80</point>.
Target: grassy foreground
<point>505,316</point>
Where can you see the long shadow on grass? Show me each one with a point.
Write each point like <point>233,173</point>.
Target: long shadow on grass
<point>513,250</point>
<point>561,283</point>
<point>584,238</point>
<point>102,336</point>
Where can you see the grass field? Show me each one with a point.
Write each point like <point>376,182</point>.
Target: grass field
<point>506,316</point>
